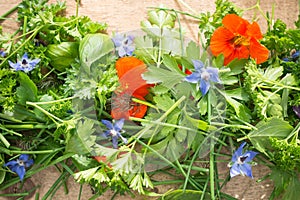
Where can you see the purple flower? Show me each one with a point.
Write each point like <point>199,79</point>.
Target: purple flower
<point>240,162</point>
<point>114,130</point>
<point>18,166</point>
<point>203,76</point>
<point>25,64</point>
<point>124,44</point>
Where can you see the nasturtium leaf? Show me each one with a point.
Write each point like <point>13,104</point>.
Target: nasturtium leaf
<point>93,48</point>
<point>274,127</point>
<point>27,91</point>
<point>62,55</point>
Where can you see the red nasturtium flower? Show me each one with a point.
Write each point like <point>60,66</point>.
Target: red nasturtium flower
<point>237,38</point>
<point>132,85</point>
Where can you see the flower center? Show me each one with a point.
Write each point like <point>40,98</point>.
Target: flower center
<point>242,159</point>
<point>240,41</point>
<point>24,63</point>
<point>113,133</point>
<point>205,75</point>
<point>20,162</point>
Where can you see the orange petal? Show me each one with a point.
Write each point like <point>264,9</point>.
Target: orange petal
<point>124,64</point>
<point>235,24</point>
<point>258,52</point>
<point>241,52</point>
<point>220,42</point>
<point>138,110</point>
<point>133,82</point>
<point>253,30</point>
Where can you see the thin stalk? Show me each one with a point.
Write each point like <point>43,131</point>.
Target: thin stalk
<point>13,9</point>
<point>211,154</point>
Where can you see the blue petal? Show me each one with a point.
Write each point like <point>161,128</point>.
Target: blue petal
<point>250,155</point>
<point>198,65</point>
<point>34,62</point>
<point>108,124</point>
<point>29,163</point>
<point>246,170</point>
<point>115,142</point>
<point>295,55</point>
<point>286,59</point>
<point>204,87</point>
<point>25,56</point>
<point>106,134</point>
<point>234,170</point>
<point>121,51</point>
<point>123,139</point>
<point>11,163</point>
<point>193,78</point>
<point>21,172</point>
<point>119,124</point>
<point>214,74</point>
<point>238,152</point>
<point>14,65</point>
<point>24,157</point>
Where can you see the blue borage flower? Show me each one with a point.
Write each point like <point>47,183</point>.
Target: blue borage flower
<point>114,131</point>
<point>296,110</point>
<point>203,76</point>
<point>124,44</point>
<point>240,162</point>
<point>25,64</point>
<point>2,53</point>
<point>18,166</point>
<point>294,56</point>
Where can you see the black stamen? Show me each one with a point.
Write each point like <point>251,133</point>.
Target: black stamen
<point>24,62</point>
<point>243,158</point>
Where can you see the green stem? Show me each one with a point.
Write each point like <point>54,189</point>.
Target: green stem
<point>211,154</point>
<point>2,17</point>
<point>35,152</point>
<point>51,116</point>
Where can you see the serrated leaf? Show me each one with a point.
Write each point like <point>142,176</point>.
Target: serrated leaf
<point>165,77</point>
<point>163,102</point>
<point>82,140</point>
<point>273,73</point>
<point>86,175</point>
<point>275,127</point>
<point>192,51</point>
<point>27,91</point>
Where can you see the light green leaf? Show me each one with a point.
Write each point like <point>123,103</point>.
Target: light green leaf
<point>93,48</point>
<point>27,91</point>
<point>161,18</point>
<point>82,140</point>
<point>273,73</point>
<point>192,51</point>
<point>275,127</point>
<point>166,77</point>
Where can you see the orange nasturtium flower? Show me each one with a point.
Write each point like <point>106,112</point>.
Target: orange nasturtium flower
<point>132,85</point>
<point>237,38</point>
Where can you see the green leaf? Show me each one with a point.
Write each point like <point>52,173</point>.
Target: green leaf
<point>161,18</point>
<point>170,63</point>
<point>144,48</point>
<point>273,73</point>
<point>62,55</point>
<point>93,48</point>
<point>192,51</point>
<point>275,127</point>
<point>82,140</point>
<point>2,176</point>
<point>27,91</point>
<point>165,77</point>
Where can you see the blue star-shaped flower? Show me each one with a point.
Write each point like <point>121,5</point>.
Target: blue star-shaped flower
<point>25,64</point>
<point>240,162</point>
<point>114,130</point>
<point>203,76</point>
<point>18,166</point>
<point>124,44</point>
